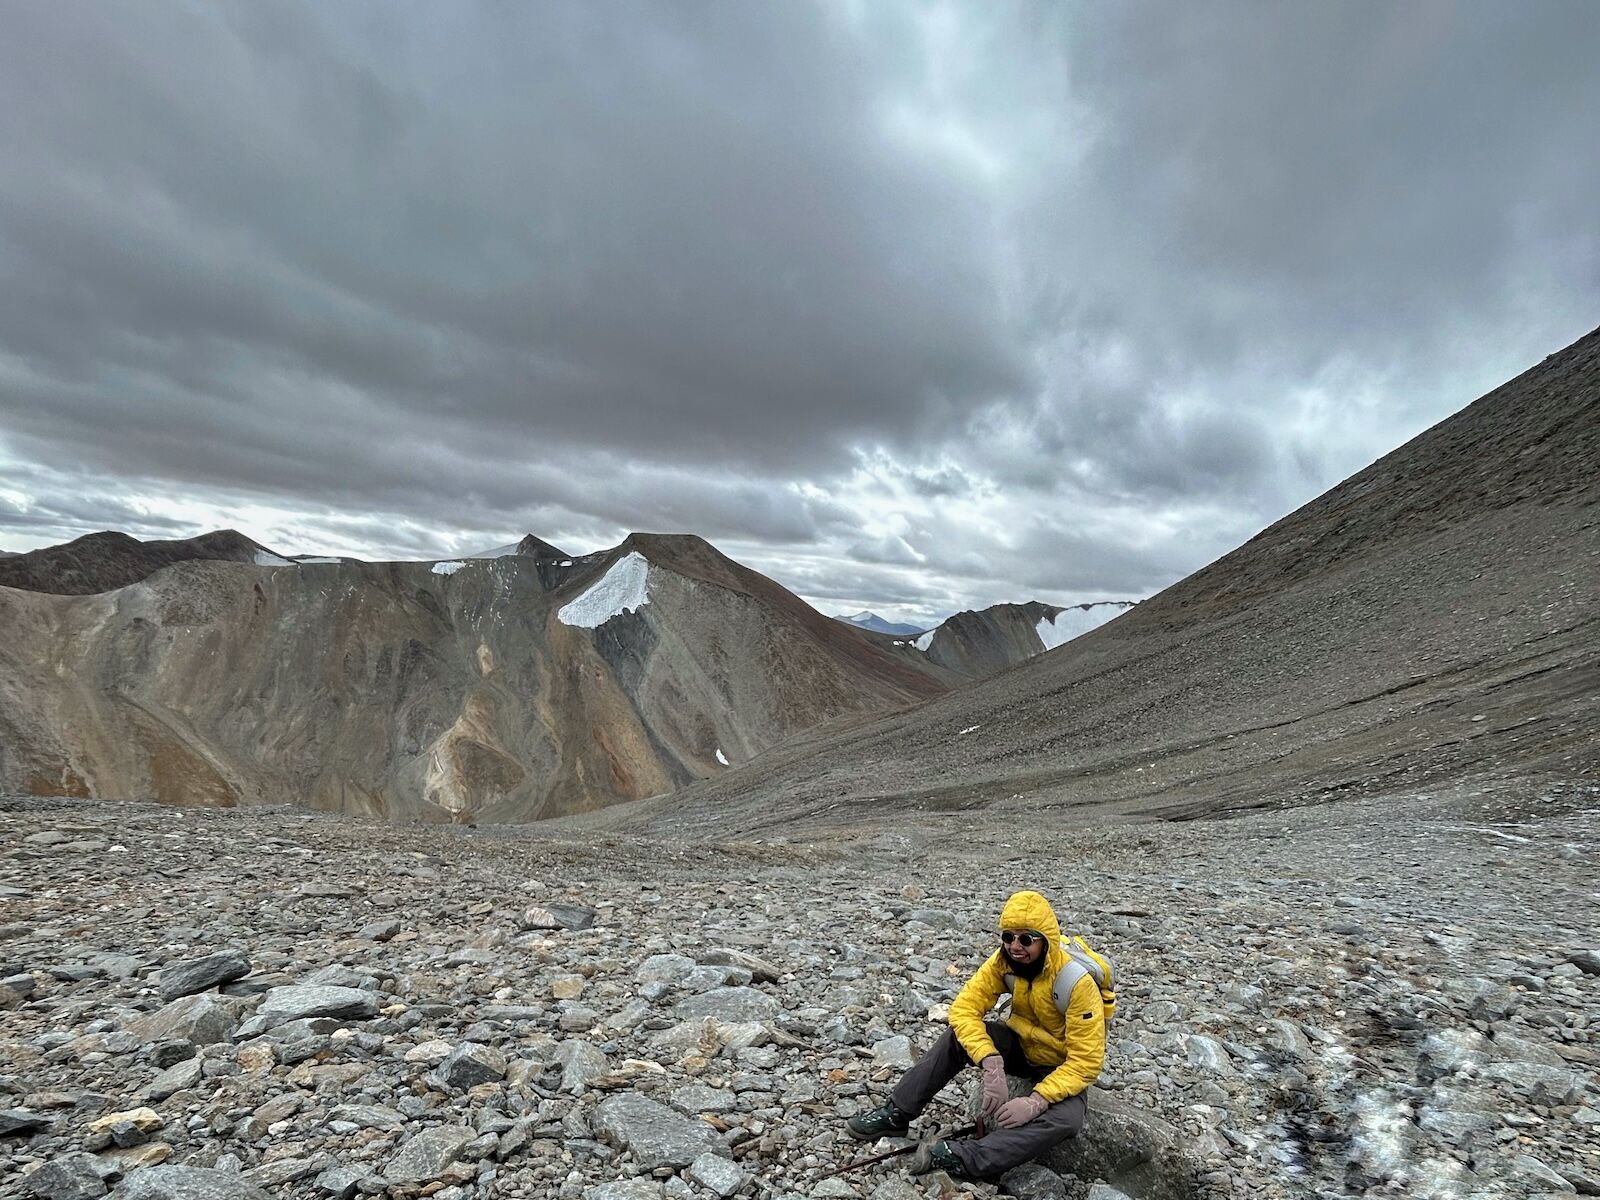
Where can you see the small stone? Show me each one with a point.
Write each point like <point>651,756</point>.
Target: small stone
<point>20,1120</point>
<point>581,1064</point>
<point>70,1177</point>
<point>567,987</point>
<point>340,1182</point>
<point>198,974</point>
<point>143,1120</point>
<point>467,1065</point>
<point>1030,1181</point>
<point>729,1004</point>
<point>893,1052</point>
<point>175,1079</point>
<point>719,1174</point>
<point>1587,961</point>
<point>663,968</point>
<point>425,1157</point>
<point>188,1183</point>
<point>624,1189</point>
<point>283,1004</point>
<point>202,1020</point>
<point>657,1136</point>
<point>378,931</point>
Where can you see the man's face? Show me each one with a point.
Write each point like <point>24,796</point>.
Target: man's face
<point>1024,946</point>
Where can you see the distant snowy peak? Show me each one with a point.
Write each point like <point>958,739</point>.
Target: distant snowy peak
<point>624,588</point>
<point>1079,619</point>
<point>871,620</point>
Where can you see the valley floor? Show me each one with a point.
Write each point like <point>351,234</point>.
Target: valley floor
<point>1386,997</point>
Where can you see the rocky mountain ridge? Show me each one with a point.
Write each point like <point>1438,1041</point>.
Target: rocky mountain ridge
<point>103,562</point>
<point>450,690</point>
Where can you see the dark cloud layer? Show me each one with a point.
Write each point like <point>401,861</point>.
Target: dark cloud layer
<point>914,306</point>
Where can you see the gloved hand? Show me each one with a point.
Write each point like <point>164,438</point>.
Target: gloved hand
<point>994,1084</point>
<point>1021,1110</point>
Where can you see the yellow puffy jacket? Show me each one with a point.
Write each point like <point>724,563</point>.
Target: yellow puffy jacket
<point>1073,1042</point>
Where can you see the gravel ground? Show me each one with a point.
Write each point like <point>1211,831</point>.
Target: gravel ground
<point>1392,996</point>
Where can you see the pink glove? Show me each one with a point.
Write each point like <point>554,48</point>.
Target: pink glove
<point>1021,1110</point>
<point>994,1084</point>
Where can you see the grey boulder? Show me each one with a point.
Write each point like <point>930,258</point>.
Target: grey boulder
<point>729,1004</point>
<point>424,1158</point>
<point>198,974</point>
<point>201,1020</point>
<point>657,1136</point>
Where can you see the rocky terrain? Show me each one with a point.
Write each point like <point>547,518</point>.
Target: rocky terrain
<point>1321,1002</point>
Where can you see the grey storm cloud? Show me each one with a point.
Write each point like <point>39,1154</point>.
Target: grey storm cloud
<point>916,305</point>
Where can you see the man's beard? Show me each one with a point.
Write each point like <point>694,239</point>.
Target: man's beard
<point>1028,970</point>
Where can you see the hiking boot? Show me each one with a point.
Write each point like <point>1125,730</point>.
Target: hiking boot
<point>883,1121</point>
<point>934,1156</point>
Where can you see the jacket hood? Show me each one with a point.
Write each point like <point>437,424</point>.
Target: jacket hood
<point>1030,910</point>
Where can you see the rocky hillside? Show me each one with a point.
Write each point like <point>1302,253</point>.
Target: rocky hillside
<point>1432,617</point>
<point>512,687</point>
<point>102,562</point>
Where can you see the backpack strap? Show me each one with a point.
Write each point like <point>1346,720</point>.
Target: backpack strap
<point>1081,961</point>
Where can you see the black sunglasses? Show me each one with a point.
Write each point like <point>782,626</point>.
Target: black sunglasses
<point>1023,939</point>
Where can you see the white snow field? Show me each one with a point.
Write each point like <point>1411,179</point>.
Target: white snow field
<point>926,640</point>
<point>1074,622</point>
<point>624,588</point>
<point>448,568</point>
<point>265,558</point>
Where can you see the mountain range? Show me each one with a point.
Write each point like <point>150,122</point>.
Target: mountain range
<point>513,684</point>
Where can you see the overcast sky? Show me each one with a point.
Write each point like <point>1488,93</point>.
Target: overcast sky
<point>912,307</point>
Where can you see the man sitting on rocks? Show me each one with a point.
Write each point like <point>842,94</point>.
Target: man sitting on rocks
<point>1053,1036</point>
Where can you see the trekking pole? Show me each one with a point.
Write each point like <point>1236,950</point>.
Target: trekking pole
<point>976,1129</point>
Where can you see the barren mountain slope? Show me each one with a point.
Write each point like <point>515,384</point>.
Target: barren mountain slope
<point>99,562</point>
<point>1431,616</point>
<point>506,688</point>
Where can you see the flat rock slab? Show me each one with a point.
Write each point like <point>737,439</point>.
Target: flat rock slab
<point>657,1136</point>
<point>71,1177</point>
<point>20,1120</point>
<point>201,1020</point>
<point>299,1001</point>
<point>730,1004</point>
<point>198,974</point>
<point>187,1183</point>
<point>423,1158</point>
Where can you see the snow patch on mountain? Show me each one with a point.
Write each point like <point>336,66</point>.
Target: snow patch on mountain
<point>265,558</point>
<point>448,568</point>
<point>926,640</point>
<point>721,757</point>
<point>624,588</point>
<point>1077,620</point>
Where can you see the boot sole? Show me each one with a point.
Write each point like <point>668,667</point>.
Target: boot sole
<point>902,1131</point>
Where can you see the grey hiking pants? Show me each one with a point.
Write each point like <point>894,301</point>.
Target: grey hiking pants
<point>1001,1149</point>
